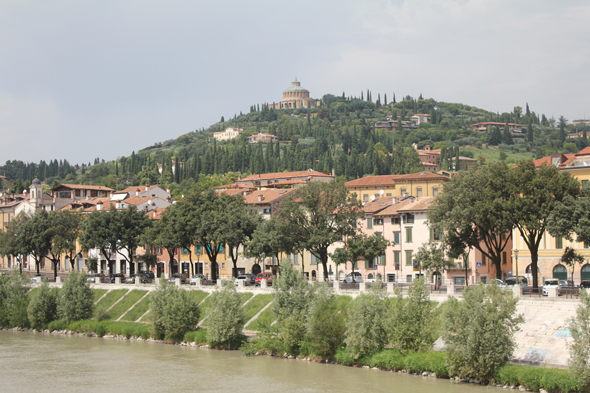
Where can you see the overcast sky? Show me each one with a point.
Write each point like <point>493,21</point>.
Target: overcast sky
<point>82,79</point>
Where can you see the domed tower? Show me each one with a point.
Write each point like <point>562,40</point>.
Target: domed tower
<point>36,192</point>
<point>296,96</point>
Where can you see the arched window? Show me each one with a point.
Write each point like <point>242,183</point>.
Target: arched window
<point>586,272</point>
<point>370,276</point>
<point>529,269</point>
<point>560,272</point>
<point>313,276</point>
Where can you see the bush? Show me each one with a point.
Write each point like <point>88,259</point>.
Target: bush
<point>579,326</point>
<point>102,314</point>
<point>292,292</point>
<point>42,307</point>
<point>14,300</point>
<point>366,324</point>
<point>173,311</point>
<point>535,378</point>
<point>479,331</point>
<point>226,319</point>
<point>410,325</point>
<point>325,324</point>
<point>75,299</point>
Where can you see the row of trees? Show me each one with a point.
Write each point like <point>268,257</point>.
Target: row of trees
<point>479,209</point>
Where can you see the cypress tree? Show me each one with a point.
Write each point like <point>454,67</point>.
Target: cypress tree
<point>530,134</point>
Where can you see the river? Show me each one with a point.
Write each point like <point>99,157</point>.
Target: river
<point>33,362</point>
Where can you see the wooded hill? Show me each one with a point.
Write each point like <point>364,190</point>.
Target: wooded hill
<point>339,135</point>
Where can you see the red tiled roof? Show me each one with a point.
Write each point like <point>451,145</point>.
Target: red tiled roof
<point>390,180</point>
<point>495,123</point>
<point>393,209</point>
<point>585,151</point>
<point>83,187</point>
<point>419,205</point>
<point>283,175</point>
<point>269,195</point>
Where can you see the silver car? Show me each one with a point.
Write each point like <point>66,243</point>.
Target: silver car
<point>353,277</point>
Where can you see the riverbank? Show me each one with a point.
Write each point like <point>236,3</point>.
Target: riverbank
<point>425,364</point>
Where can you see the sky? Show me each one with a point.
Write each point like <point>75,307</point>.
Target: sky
<point>85,79</point>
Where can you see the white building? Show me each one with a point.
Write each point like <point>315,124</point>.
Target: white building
<point>228,134</point>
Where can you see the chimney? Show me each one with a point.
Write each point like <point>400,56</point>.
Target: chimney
<point>333,172</point>
<point>168,199</point>
<point>147,187</point>
<point>137,192</point>
<point>260,197</point>
<point>99,206</point>
<point>168,190</point>
<point>118,205</point>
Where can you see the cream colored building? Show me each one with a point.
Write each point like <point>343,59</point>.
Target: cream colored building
<point>228,134</point>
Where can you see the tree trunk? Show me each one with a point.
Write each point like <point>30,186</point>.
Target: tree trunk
<point>213,270</point>
<point>534,268</point>
<point>55,270</point>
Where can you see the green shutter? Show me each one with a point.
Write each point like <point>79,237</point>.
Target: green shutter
<point>369,223</point>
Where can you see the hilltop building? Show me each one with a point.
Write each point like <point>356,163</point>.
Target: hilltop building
<point>228,134</point>
<point>296,97</point>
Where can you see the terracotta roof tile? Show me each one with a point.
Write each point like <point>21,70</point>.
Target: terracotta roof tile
<point>269,195</point>
<point>419,205</point>
<point>283,175</point>
<point>83,187</point>
<point>392,210</point>
<point>390,180</point>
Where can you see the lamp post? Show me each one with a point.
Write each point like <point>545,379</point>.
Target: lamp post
<point>516,257</point>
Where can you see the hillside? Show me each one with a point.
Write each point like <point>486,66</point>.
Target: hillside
<point>339,135</point>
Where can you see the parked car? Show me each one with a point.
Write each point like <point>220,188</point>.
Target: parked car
<point>499,283</point>
<point>142,278</point>
<point>149,275</point>
<point>585,284</point>
<point>550,283</point>
<point>42,276</point>
<point>353,277</point>
<point>111,278</point>
<point>245,278</point>
<point>92,277</point>
<point>511,281</point>
<point>194,278</point>
<point>252,277</point>
<point>263,276</point>
<point>173,278</point>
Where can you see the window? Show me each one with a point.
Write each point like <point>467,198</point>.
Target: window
<point>483,260</point>
<point>388,194</point>
<point>396,259</point>
<point>395,220</point>
<point>381,260</point>
<point>199,251</point>
<point>408,235</point>
<point>435,191</point>
<point>408,258</point>
<point>369,223</point>
<point>408,218</point>
<point>403,192</point>
<point>266,210</point>
<point>504,259</point>
<point>409,278</point>
<point>419,192</point>
<point>396,237</point>
<point>365,198</point>
<point>378,234</point>
<point>434,234</point>
<point>295,259</point>
<point>378,221</point>
<point>314,259</point>
<point>584,183</point>
<point>558,242</point>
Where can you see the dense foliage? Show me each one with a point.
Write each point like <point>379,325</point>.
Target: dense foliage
<point>173,312</point>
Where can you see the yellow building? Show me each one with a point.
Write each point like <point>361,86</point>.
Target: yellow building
<point>421,184</point>
<point>551,248</point>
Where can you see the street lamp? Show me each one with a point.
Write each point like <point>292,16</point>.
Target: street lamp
<point>516,256</point>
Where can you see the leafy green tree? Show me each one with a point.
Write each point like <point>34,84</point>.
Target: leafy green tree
<point>495,137</point>
<point>10,243</point>
<point>132,224</point>
<point>570,258</point>
<point>34,237</point>
<point>431,257</point>
<point>14,300</point>
<point>75,298</point>
<point>535,193</point>
<point>42,307</point>
<point>226,319</point>
<point>479,331</point>
<point>474,212</point>
<point>562,125</point>
<point>100,230</point>
<point>239,229</point>
<point>579,326</point>
<point>409,324</point>
<point>65,227</point>
<point>507,135</point>
<point>326,324</point>
<point>173,312</point>
<point>367,323</point>
<point>325,211</point>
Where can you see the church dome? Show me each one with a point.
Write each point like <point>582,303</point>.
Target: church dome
<point>295,86</point>
<point>36,182</point>
<point>294,93</point>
